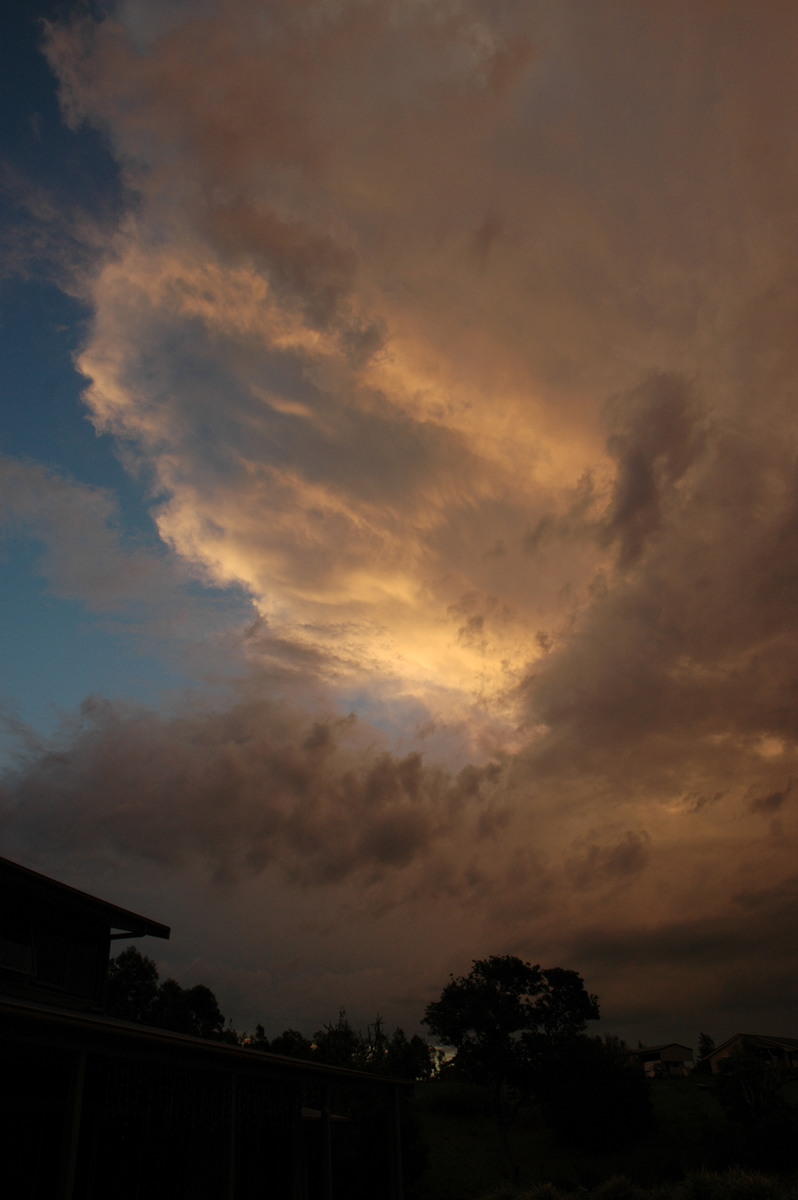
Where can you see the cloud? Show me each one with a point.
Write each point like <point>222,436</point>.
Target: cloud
<point>122,583</point>
<point>84,556</point>
<point>460,338</point>
<point>772,802</point>
<point>596,864</point>
<point>654,442</point>
<point>335,481</point>
<point>238,790</point>
<point>728,968</point>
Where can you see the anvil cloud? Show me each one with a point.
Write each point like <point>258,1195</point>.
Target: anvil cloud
<point>459,337</point>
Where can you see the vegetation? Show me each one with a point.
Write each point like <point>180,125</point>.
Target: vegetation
<point>505,1013</point>
<point>575,1116</point>
<point>517,1033</point>
<point>135,993</point>
<point>592,1094</point>
<point>706,1046</point>
<point>688,1134</point>
<point>466,1158</point>
<point>735,1184</point>
<point>761,1126</point>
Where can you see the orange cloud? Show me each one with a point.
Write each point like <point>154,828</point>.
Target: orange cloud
<point>462,338</point>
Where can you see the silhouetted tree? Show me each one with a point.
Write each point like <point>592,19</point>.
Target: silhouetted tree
<point>340,1044</point>
<point>132,986</point>
<point>501,1018</point>
<point>256,1040</point>
<point>409,1058</point>
<point>406,1058</point>
<point>290,1043</point>
<point>763,1131</point>
<point>564,1007</point>
<point>497,1016</point>
<point>376,1046</point>
<point>187,1010</point>
<point>135,993</point>
<point>706,1045</point>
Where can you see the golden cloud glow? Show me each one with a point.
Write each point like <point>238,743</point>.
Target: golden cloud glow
<point>462,338</point>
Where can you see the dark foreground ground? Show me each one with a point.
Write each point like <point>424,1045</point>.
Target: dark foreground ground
<point>689,1145</point>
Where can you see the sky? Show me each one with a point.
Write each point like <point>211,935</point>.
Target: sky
<point>399,494</point>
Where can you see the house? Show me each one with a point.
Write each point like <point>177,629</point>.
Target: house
<point>92,1106</point>
<point>55,941</point>
<point>670,1058</point>
<point>779,1052</point>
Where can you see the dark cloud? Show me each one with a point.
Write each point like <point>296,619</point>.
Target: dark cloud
<point>724,973</point>
<point>694,802</point>
<point>604,864</point>
<point>654,441</point>
<point>686,634</point>
<point>484,237</point>
<point>779,901</point>
<point>237,790</point>
<point>772,802</point>
<point>461,340</point>
<point>301,263</point>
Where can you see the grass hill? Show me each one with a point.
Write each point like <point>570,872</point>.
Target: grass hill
<point>466,1162</point>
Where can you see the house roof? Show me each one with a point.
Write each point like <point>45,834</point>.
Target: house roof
<point>70,900</point>
<point>30,1021</point>
<point>761,1039</point>
<point>663,1046</point>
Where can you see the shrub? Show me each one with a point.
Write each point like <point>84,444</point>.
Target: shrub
<point>539,1191</point>
<point>618,1188</point>
<point>735,1184</point>
<point>546,1191</point>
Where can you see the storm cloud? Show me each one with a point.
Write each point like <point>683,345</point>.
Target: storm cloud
<point>458,338</point>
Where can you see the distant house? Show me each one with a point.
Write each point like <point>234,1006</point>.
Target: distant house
<point>670,1058</point>
<point>92,1106</point>
<point>777,1051</point>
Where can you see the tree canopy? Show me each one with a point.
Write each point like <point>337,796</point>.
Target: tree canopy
<point>132,986</point>
<point>504,1019</point>
<point>497,1016</point>
<point>376,1051</point>
<point>135,992</point>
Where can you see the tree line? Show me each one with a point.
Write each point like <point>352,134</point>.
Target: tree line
<point>518,1031</point>
<point>136,993</point>
<point>512,1030</point>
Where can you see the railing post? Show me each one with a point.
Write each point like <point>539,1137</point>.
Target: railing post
<point>397,1190</point>
<point>326,1145</point>
<point>72,1125</point>
<point>231,1177</point>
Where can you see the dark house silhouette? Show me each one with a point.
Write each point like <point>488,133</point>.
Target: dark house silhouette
<point>55,940</point>
<point>93,1107</point>
<point>781,1053</point>
<point>668,1058</point>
